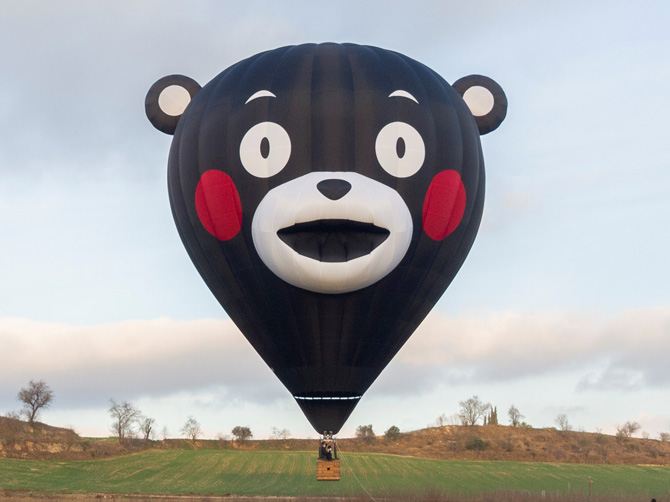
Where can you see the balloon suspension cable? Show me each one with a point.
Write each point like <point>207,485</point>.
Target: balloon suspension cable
<point>344,459</point>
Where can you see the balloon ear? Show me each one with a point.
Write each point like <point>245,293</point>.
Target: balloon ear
<point>486,100</point>
<point>167,99</point>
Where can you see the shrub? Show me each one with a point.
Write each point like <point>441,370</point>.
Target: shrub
<point>242,433</point>
<point>392,433</point>
<point>365,432</point>
<point>476,444</point>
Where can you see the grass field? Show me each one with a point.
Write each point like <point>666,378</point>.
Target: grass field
<point>293,474</point>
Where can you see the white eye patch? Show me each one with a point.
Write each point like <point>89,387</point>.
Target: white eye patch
<point>265,149</point>
<point>400,149</point>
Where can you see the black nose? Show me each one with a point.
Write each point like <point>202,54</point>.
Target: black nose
<point>334,189</point>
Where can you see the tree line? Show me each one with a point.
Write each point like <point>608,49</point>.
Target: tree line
<point>128,422</point>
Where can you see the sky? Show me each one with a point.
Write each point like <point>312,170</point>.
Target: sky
<point>562,306</point>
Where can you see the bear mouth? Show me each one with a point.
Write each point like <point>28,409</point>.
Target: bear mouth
<point>333,240</point>
<point>331,246</point>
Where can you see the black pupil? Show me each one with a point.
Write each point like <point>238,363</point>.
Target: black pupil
<point>265,148</point>
<point>400,147</point>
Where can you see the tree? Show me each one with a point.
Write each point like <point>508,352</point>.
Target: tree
<point>472,410</point>
<point>664,436</point>
<point>147,426</point>
<point>515,416</point>
<point>445,420</point>
<point>37,396</point>
<point>442,420</point>
<point>241,433</point>
<point>562,421</point>
<point>124,416</point>
<point>365,432</point>
<point>627,430</point>
<point>280,434</point>
<point>191,429</point>
<point>392,433</point>
<point>492,417</point>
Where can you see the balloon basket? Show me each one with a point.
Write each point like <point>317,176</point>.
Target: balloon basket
<point>327,470</point>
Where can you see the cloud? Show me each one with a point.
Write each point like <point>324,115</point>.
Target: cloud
<point>164,357</point>
<point>637,343</point>
<point>625,352</point>
<point>612,378</point>
<point>127,360</point>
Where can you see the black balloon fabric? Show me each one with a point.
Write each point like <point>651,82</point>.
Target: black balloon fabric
<point>327,194</point>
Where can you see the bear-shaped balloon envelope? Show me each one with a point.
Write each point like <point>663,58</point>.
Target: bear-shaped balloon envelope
<point>327,194</point>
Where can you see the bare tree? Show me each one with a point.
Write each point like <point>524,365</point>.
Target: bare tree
<point>280,434</point>
<point>515,416</point>
<point>454,419</point>
<point>443,420</point>
<point>147,426</point>
<point>191,429</point>
<point>562,421</point>
<point>37,396</point>
<point>472,410</point>
<point>124,416</point>
<point>628,429</point>
<point>664,436</point>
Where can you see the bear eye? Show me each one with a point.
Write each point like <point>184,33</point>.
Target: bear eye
<point>265,149</point>
<point>400,149</point>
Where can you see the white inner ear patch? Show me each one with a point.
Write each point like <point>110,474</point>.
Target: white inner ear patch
<point>173,100</point>
<point>479,99</point>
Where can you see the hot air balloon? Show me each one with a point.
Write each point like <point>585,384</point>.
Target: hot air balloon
<point>327,194</point>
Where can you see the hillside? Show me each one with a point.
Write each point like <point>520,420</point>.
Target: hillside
<point>21,440</point>
<point>18,436</point>
<point>520,444</point>
<point>495,443</point>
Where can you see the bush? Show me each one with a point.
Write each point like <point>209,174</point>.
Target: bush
<point>242,433</point>
<point>476,444</point>
<point>365,432</point>
<point>392,433</point>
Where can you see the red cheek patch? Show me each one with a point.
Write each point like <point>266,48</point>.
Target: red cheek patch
<point>218,205</point>
<point>444,205</point>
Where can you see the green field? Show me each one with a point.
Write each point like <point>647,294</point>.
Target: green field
<point>293,474</point>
